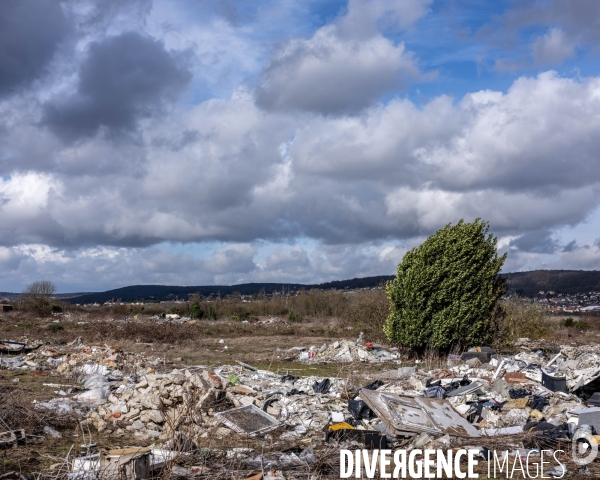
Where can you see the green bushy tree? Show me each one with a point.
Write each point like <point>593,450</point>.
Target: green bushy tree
<point>195,311</point>
<point>445,290</point>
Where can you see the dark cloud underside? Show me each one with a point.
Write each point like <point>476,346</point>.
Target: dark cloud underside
<point>30,33</point>
<point>124,78</point>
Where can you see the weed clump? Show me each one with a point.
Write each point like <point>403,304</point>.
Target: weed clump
<point>567,322</point>
<point>211,314</point>
<point>578,324</point>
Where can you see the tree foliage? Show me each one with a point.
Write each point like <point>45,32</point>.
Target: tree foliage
<point>38,295</point>
<point>445,290</point>
<point>195,311</point>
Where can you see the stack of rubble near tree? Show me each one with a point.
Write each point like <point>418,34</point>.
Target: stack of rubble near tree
<point>342,352</point>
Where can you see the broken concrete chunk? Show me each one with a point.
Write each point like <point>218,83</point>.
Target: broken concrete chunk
<point>242,389</point>
<point>150,401</point>
<point>177,378</point>
<point>138,425</point>
<point>119,407</point>
<point>142,384</point>
<point>133,412</point>
<point>151,416</point>
<point>213,380</point>
<point>473,362</point>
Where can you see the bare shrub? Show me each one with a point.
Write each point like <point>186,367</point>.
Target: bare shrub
<point>318,303</point>
<point>431,359</point>
<point>518,318</point>
<point>37,296</point>
<point>142,332</point>
<point>367,312</point>
<point>18,412</point>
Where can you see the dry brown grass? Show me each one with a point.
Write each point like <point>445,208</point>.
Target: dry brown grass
<point>17,411</point>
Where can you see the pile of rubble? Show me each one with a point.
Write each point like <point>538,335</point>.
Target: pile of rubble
<point>104,358</point>
<point>548,392</point>
<point>343,351</point>
<point>478,395</point>
<point>154,405</point>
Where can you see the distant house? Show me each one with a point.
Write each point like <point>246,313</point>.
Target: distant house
<point>5,306</point>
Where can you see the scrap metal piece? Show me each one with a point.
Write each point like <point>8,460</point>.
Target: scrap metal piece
<point>588,416</point>
<point>248,420</point>
<point>7,346</point>
<point>408,416</point>
<point>12,438</point>
<point>86,463</point>
<point>471,388</point>
<point>411,416</point>
<point>10,347</point>
<point>249,367</point>
<point>449,421</point>
<point>554,382</point>
<point>594,399</point>
<point>128,463</point>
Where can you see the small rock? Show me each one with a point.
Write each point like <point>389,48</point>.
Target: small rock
<point>151,401</point>
<point>63,368</point>
<point>142,384</point>
<point>177,378</point>
<point>241,389</point>
<point>222,432</point>
<point>138,425</point>
<point>152,416</point>
<point>473,362</point>
<point>51,432</point>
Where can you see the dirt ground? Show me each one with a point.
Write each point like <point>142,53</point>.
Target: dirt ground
<point>201,342</point>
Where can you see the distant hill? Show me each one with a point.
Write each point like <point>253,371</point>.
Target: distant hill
<point>165,292</point>
<point>560,281</point>
<point>522,283</point>
<point>9,296</point>
<point>63,296</point>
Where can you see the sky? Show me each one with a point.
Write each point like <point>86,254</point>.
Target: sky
<point>222,141</point>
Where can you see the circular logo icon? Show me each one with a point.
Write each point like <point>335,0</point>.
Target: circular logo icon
<point>585,448</point>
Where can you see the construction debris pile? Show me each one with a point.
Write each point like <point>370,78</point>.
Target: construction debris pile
<point>549,393</point>
<point>35,357</point>
<point>199,402</point>
<point>343,351</point>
